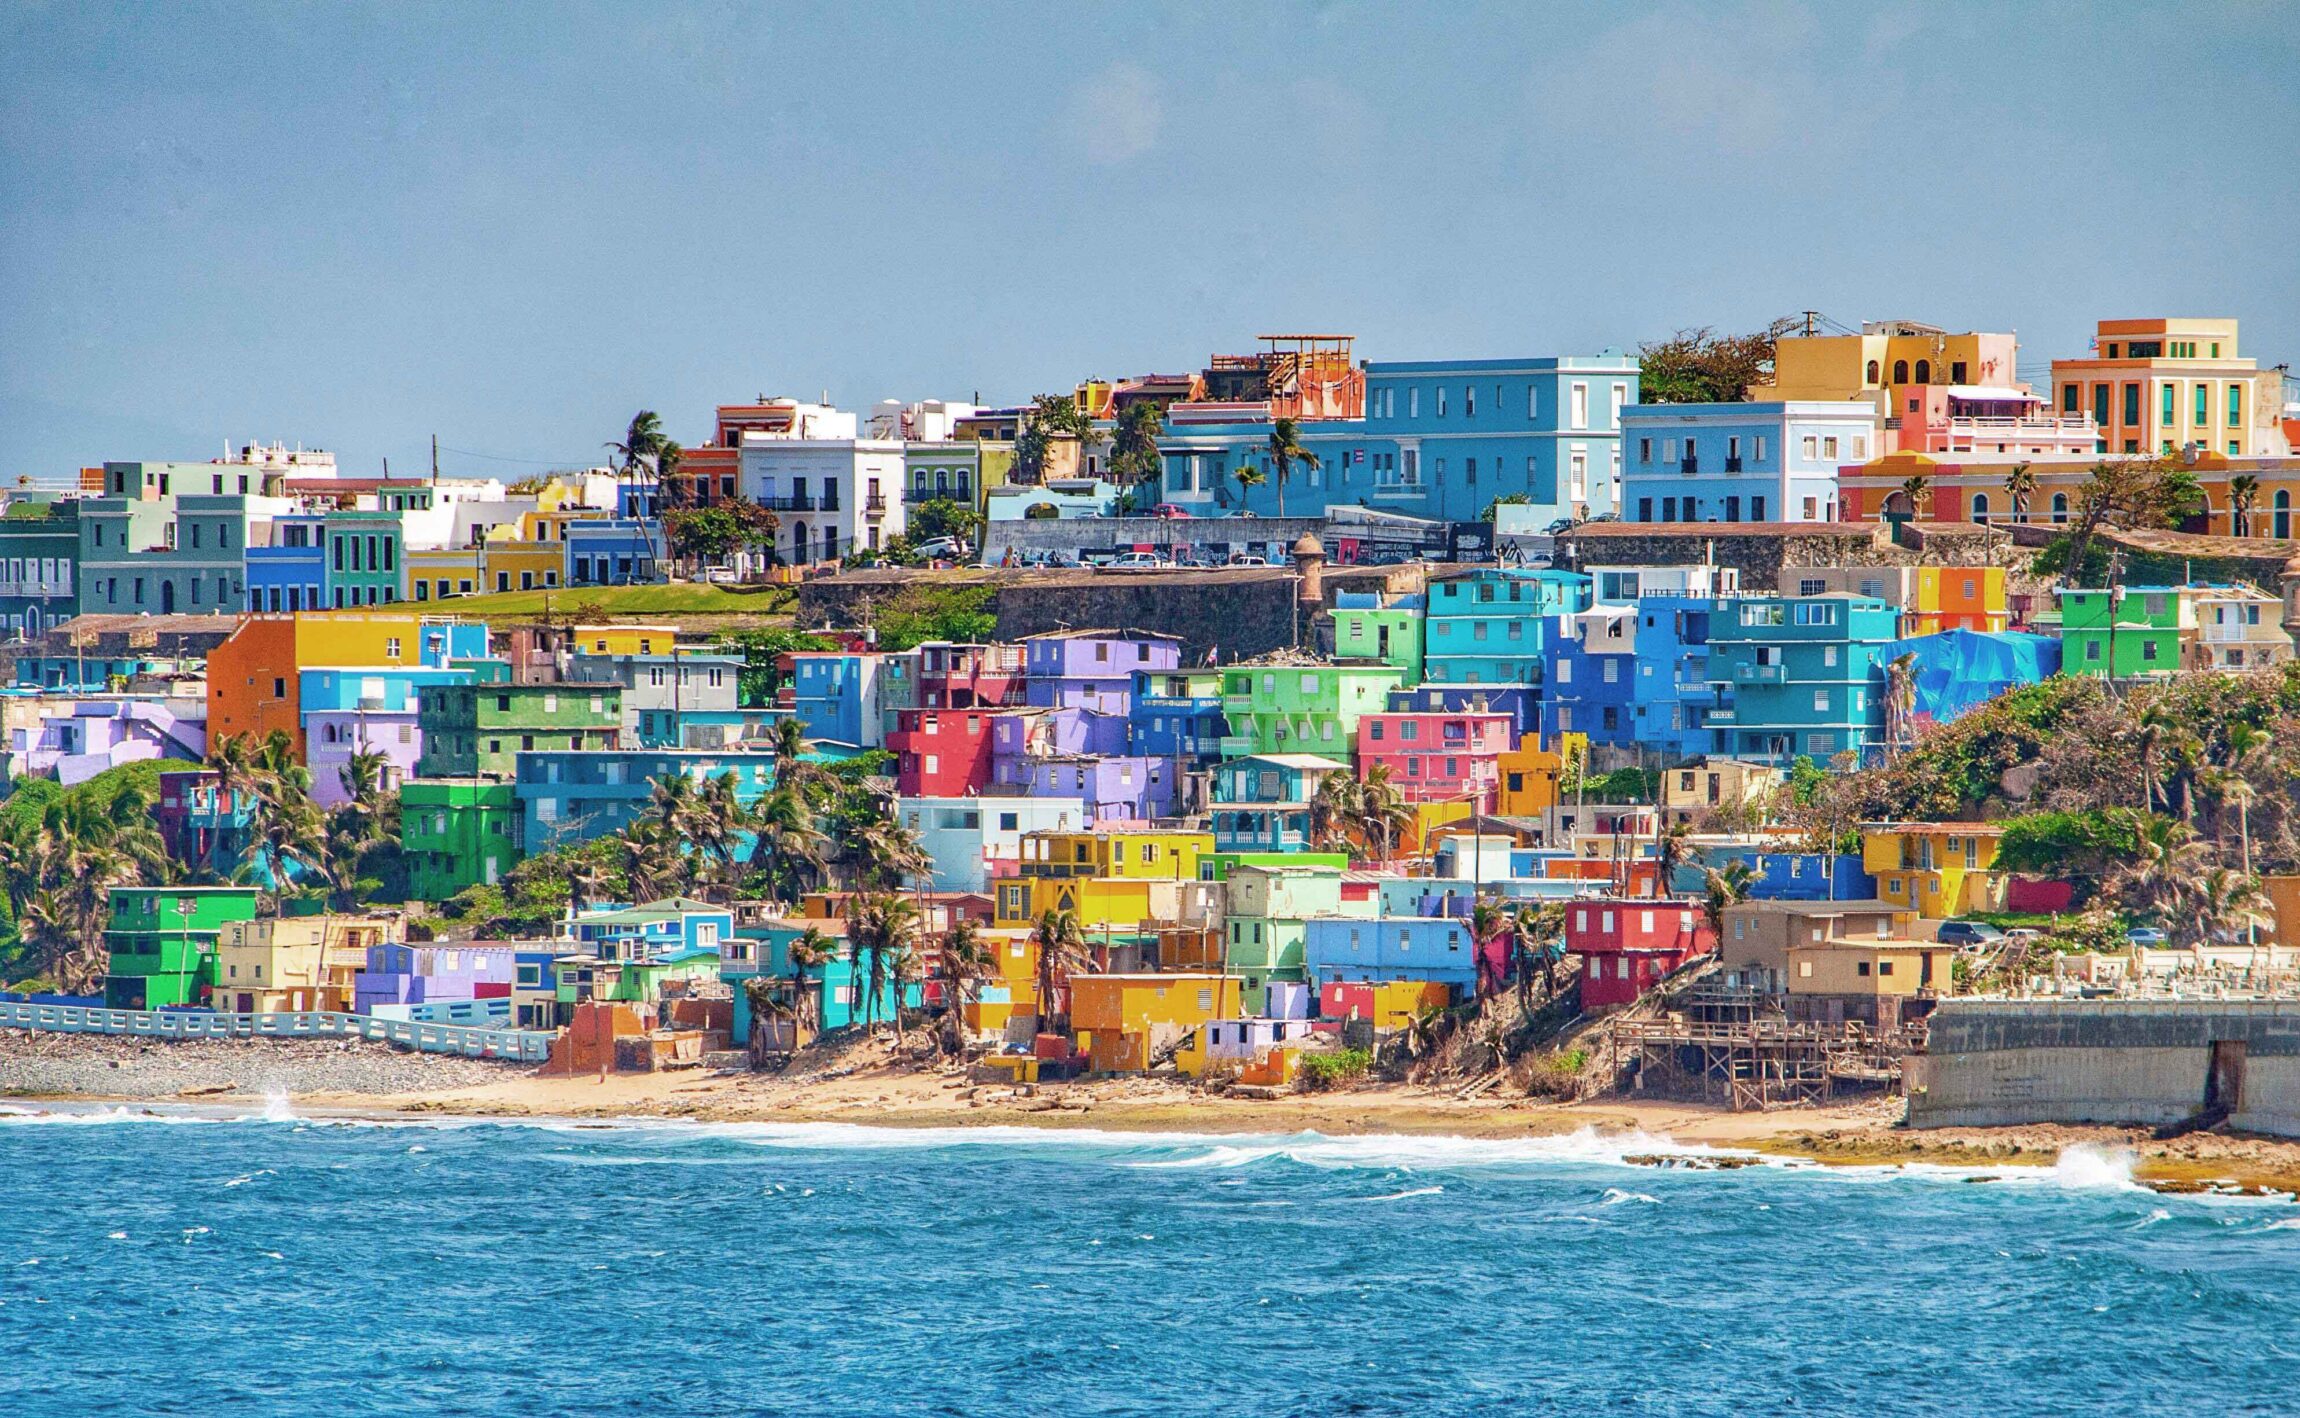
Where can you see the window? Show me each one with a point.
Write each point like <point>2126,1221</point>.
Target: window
<point>2132,406</point>
<point>1829,448</point>
<point>1812,447</point>
<point>1469,401</point>
<point>1760,455</point>
<point>1645,450</point>
<point>2235,403</point>
<point>1533,401</point>
<point>1441,401</point>
<point>1580,405</point>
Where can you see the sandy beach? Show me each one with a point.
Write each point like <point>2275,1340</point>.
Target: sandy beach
<point>868,1090</point>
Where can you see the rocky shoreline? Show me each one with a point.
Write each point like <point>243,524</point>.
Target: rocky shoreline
<point>45,1065</point>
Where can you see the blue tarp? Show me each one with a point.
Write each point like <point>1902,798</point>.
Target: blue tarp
<point>1958,669</point>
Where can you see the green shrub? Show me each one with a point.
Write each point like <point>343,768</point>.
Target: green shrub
<point>1325,1071</point>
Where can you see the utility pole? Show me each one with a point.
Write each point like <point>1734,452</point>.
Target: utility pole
<point>435,460</point>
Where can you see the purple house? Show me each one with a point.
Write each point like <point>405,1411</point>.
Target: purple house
<point>400,973</point>
<point>81,737</point>
<point>1093,669</point>
<point>1114,788</point>
<point>1024,733</point>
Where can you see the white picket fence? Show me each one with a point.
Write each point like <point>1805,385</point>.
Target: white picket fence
<point>524,1045</point>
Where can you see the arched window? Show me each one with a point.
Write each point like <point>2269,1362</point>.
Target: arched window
<point>1924,371</point>
<point>2060,507</point>
<point>1872,371</point>
<point>1980,507</point>
<point>2283,518</point>
<point>1900,371</point>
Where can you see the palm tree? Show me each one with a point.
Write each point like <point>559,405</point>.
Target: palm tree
<point>1335,808</point>
<point>1538,931</point>
<point>2243,496</point>
<point>2020,486</point>
<point>1286,450</point>
<point>1487,922</point>
<point>585,880</point>
<point>1725,887</point>
<point>810,950</point>
<point>639,455</point>
<point>1669,849</point>
<point>1900,702</point>
<point>767,1003</point>
<point>1061,953</point>
<point>1918,489</point>
<point>965,959</point>
<point>2165,858</point>
<point>1249,477</point>
<point>2215,906</point>
<point>881,930</point>
<point>785,843</point>
<point>889,853</point>
<point>1384,815</point>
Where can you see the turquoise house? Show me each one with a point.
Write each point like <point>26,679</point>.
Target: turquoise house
<point>1492,625</point>
<point>835,988</point>
<point>1262,802</point>
<point>1799,671</point>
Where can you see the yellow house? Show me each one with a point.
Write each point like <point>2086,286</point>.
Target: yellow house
<point>1122,1021</point>
<point>1530,774</point>
<point>1936,869</point>
<point>1717,785</point>
<point>1103,905</point>
<point>1886,354</point>
<point>1122,852</point>
<point>623,639</point>
<point>523,565</point>
<point>1959,598</point>
<point>1872,969</point>
<point>295,963</point>
<point>2158,385</point>
<point>438,573</point>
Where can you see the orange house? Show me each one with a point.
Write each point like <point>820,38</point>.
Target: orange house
<point>254,684</point>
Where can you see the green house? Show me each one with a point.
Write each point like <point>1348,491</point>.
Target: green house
<point>2139,637</point>
<point>457,834</point>
<point>1302,708</point>
<point>162,941</point>
<point>479,730</point>
<point>1383,635</point>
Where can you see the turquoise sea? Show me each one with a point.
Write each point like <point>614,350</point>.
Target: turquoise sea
<point>276,1265</point>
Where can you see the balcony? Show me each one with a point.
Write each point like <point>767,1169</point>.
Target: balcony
<point>1689,464</point>
<point>1761,674</point>
<point>1732,465</point>
<point>873,505</point>
<point>793,502</point>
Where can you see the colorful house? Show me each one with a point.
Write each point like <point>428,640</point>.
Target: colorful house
<point>295,963</point>
<point>2159,385</point>
<point>1176,714</point>
<point>1437,757</point>
<point>1744,462</point>
<point>1799,671</point>
<point>1124,1022</point>
<point>2127,632</point>
<point>350,712</point>
<point>1490,626</point>
<point>1366,629</point>
<point>1589,669</point>
<point>1093,669</point>
<point>398,974</point>
<point>1628,946</point>
<point>478,731</point>
<point>1295,708</point>
<point>201,825</point>
<point>570,796</point>
<point>1422,949</point>
<point>1262,802</point>
<point>941,752</point>
<point>2237,628</point>
<point>836,695</point>
<point>1937,869</point>
<point>1115,851</point>
<point>162,941</point>
<point>974,840</point>
<point>255,678</point>
<point>456,833</point>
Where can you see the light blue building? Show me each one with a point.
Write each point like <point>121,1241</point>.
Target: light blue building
<point>1769,462</point>
<point>1671,695</point>
<point>1782,876</point>
<point>674,926</point>
<point>614,551</point>
<point>1440,439</point>
<point>291,573</point>
<point>1262,801</point>
<point>1589,673</point>
<point>1491,625</point>
<point>1431,948</point>
<point>1800,672</point>
<point>1176,714</point>
<point>567,797</point>
<point>837,696</point>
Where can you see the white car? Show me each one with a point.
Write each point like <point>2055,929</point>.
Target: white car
<point>941,549</point>
<point>1135,561</point>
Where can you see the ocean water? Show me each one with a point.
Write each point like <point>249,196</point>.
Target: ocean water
<point>275,1265</point>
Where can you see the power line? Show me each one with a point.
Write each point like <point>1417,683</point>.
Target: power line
<point>506,458</point>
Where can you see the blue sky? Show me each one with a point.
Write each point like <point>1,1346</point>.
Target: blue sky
<point>510,225</point>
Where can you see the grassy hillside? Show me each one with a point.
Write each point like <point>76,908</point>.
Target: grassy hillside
<point>620,601</point>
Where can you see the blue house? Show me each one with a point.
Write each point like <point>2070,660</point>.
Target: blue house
<point>1670,695</point>
<point>1492,625</point>
<point>291,573</point>
<point>1176,714</point>
<point>1801,671</point>
<point>1262,801</point>
<point>1590,677</point>
<point>1755,462</point>
<point>1440,439</point>
<point>836,695</point>
<point>568,797</point>
<point>836,988</point>
<point>614,551</point>
<point>674,927</point>
<point>1430,948</point>
<point>1782,876</point>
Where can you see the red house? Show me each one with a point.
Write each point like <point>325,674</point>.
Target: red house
<point>1627,945</point>
<point>955,676</point>
<point>940,753</point>
<point>1438,757</point>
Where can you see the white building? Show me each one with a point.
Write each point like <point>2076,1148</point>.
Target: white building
<point>973,838</point>
<point>833,495</point>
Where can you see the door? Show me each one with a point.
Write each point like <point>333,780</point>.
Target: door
<point>2224,1086</point>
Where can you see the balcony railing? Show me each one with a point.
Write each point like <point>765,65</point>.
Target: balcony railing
<point>874,503</point>
<point>1760,674</point>
<point>1732,465</point>
<point>1689,464</point>
<point>792,502</point>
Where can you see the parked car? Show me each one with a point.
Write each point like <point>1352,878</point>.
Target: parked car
<point>1244,558</point>
<point>1970,933</point>
<point>2149,936</point>
<point>1562,524</point>
<point>1168,511</point>
<point>1606,517</point>
<point>1134,561</point>
<point>723,576</point>
<point>941,548</point>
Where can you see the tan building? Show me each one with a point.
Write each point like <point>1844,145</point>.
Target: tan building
<point>1717,785</point>
<point>1759,935</point>
<point>296,963</point>
<point>2156,386</point>
<point>2237,628</point>
<point>1872,981</point>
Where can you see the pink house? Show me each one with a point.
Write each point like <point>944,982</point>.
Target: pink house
<point>1438,757</point>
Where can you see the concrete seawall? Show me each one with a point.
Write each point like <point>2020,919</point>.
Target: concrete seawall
<point>1991,1063</point>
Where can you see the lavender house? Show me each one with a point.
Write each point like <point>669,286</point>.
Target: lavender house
<point>1025,733</point>
<point>1113,788</point>
<point>400,973</point>
<point>79,738</point>
<point>1093,669</point>
<point>364,710</point>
